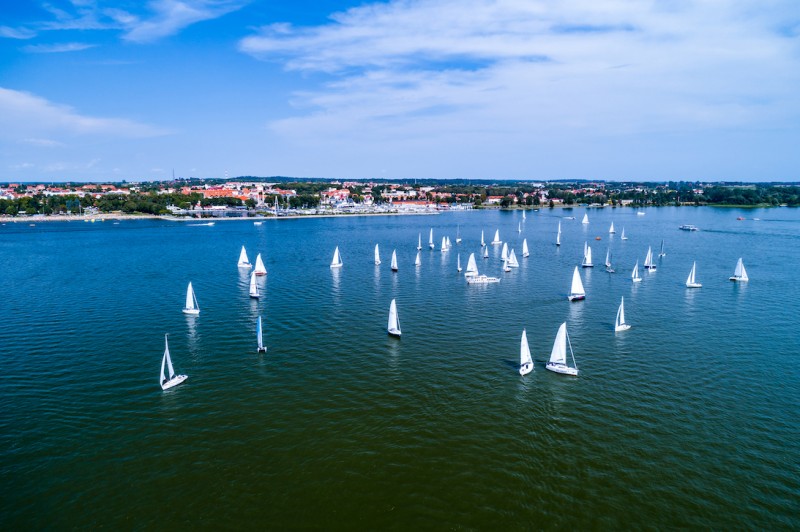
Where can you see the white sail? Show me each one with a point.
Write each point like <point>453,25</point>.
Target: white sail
<point>419,241</point>
<point>623,237</point>
<point>472,266</point>
<point>525,252</point>
<point>260,268</point>
<point>497,241</point>
<point>740,274</point>
<point>486,252</point>
<point>430,239</point>
<point>587,256</point>
<point>611,230</point>
<point>449,244</point>
<point>458,263</point>
<point>662,252</point>
<point>504,253</point>
<point>558,355</point>
<point>458,234</point>
<point>444,244</point>
<point>243,260</point>
<point>691,281</point>
<point>168,379</point>
<point>394,323</point>
<point>191,306</point>
<point>377,255</point>
<point>483,242</point>
<point>619,323</point>
<point>608,258</point>
<point>394,260</point>
<point>523,216</point>
<point>259,336</point>
<point>635,274</point>
<point>417,262</point>
<point>337,259</point>
<point>512,259</point>
<point>519,227</point>
<point>253,286</point>
<point>576,290</point>
<point>585,219</point>
<point>525,361</point>
<point>558,235</point>
<point>648,260</point>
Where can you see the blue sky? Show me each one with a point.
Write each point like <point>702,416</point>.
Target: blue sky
<point>480,89</point>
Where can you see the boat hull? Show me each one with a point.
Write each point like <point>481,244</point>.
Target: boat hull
<point>576,297</point>
<point>262,350</point>
<point>394,332</point>
<point>562,369</point>
<point>191,311</point>
<point>738,279</point>
<point>623,327</point>
<point>336,265</point>
<point>525,369</point>
<point>174,381</point>
<point>693,285</point>
<point>261,274</point>
<point>254,296</point>
<point>245,265</point>
<point>587,265</point>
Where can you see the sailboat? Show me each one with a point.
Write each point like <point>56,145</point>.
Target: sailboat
<point>662,252</point>
<point>558,235</point>
<point>525,361</point>
<point>611,229</point>
<point>483,242</point>
<point>337,259</point>
<point>243,260</point>
<point>576,292</point>
<point>609,269</point>
<point>377,255</point>
<point>506,267</point>
<point>191,306</point>
<point>585,219</point>
<point>430,239</point>
<point>512,259</point>
<point>623,237</point>
<point>497,241</point>
<point>458,234</point>
<point>587,256</point>
<point>525,252</point>
<point>740,274</point>
<point>558,356</point>
<point>691,282</point>
<point>486,252</point>
<point>449,244</point>
<point>173,379</point>
<point>419,241</point>
<point>253,286</point>
<point>504,252</point>
<point>261,347</point>
<point>620,324</point>
<point>458,263</point>
<point>635,275</point>
<point>394,260</point>
<point>417,261</point>
<point>444,244</point>
<point>394,323</point>
<point>648,260</point>
<point>472,267</point>
<point>260,269</point>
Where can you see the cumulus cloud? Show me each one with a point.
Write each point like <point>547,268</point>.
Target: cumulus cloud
<point>28,116</point>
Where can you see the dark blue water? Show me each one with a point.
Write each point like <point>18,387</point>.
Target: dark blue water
<point>689,419</point>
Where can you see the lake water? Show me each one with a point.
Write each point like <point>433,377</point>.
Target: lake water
<point>689,419</point>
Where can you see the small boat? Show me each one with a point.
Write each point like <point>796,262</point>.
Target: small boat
<point>609,269</point>
<point>648,261</point>
<point>419,241</point>
<point>244,262</point>
<point>525,361</point>
<point>260,269</point>
<point>170,379</point>
<point>504,252</point>
<point>337,259</point>
<point>558,356</point>
<point>569,217</point>
<point>472,267</point>
<point>458,263</point>
<point>688,227</point>
<point>254,286</point>
<point>639,213</point>
<point>394,322</point>
<point>635,274</point>
<point>497,241</point>
<point>377,255</point>
<point>261,347</point>
<point>558,235</point>
<point>740,274</point>
<point>417,261</point>
<point>662,253</point>
<point>191,307</point>
<point>587,256</point>
<point>525,252</point>
<point>486,252</point>
<point>585,219</point>
<point>512,259</point>
<point>620,324</point>
<point>394,260</point>
<point>576,292</point>
<point>611,229</point>
<point>483,242</point>
<point>458,234</point>
<point>738,218</point>
<point>257,223</point>
<point>430,239</point>
<point>623,237</point>
<point>444,244</point>
<point>482,279</point>
<point>691,281</point>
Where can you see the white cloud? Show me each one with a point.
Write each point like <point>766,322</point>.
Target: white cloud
<point>171,16</point>
<point>24,115</point>
<point>57,48</point>
<point>16,33</point>
<point>46,143</point>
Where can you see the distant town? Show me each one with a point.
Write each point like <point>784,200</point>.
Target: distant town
<point>276,196</point>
